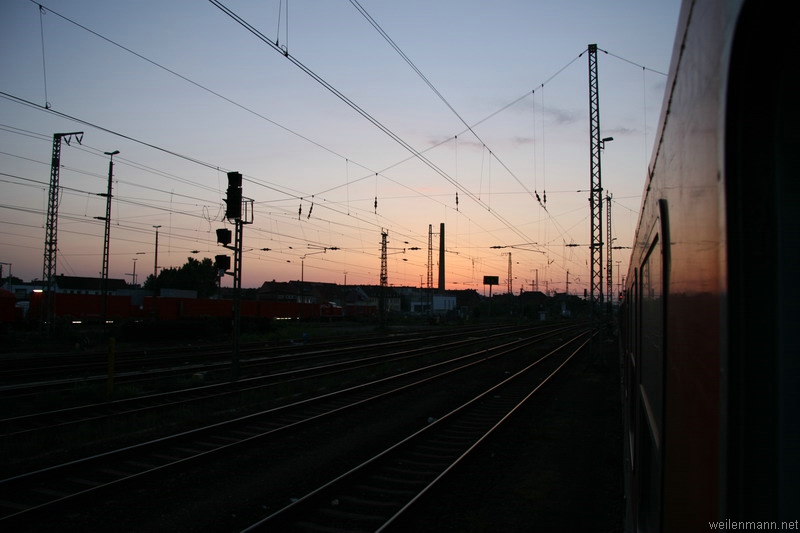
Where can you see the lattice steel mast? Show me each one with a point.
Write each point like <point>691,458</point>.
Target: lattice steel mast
<point>609,263</point>
<point>107,234</point>
<point>430,269</point>
<point>441,258</point>
<point>384,277</point>
<point>509,279</point>
<point>51,231</point>
<point>430,257</point>
<point>596,191</point>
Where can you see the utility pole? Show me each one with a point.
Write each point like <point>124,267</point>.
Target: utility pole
<point>133,275</point>
<point>51,231</point>
<point>107,234</point>
<point>155,262</point>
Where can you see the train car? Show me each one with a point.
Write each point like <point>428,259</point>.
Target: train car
<point>90,308</point>
<point>8,310</point>
<point>187,308</point>
<point>82,307</point>
<point>709,324</point>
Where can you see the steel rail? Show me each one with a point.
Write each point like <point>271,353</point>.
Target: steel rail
<point>366,497</point>
<point>66,482</point>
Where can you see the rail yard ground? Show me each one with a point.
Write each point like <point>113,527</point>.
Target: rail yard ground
<point>556,467</point>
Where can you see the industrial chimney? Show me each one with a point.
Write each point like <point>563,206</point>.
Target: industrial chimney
<point>441,257</point>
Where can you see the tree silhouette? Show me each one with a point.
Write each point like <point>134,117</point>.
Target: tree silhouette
<point>194,275</point>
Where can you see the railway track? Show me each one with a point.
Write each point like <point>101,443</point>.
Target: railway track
<point>371,496</point>
<point>22,378</point>
<point>29,435</point>
<point>25,496</point>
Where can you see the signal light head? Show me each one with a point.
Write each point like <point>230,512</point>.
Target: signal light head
<point>234,179</point>
<point>223,236</point>
<point>222,262</point>
<point>233,209</point>
<point>233,201</point>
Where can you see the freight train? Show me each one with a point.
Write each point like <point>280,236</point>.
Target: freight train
<point>93,307</point>
<point>709,324</point>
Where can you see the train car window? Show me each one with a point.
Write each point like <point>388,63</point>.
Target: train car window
<point>652,356</point>
<point>651,388</point>
<point>631,375</point>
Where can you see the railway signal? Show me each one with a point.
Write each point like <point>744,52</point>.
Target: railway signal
<point>222,263</point>
<point>240,211</point>
<point>224,236</point>
<point>233,200</point>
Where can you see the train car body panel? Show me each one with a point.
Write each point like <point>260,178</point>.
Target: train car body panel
<point>710,378</point>
<point>90,307</point>
<point>8,310</point>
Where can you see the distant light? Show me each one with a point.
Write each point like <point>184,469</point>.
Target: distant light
<point>38,290</point>
<point>77,322</point>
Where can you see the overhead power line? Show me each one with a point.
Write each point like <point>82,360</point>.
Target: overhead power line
<point>363,113</point>
<point>424,78</point>
<point>284,49</point>
<point>107,130</point>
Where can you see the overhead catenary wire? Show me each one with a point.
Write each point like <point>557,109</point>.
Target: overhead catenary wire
<point>239,20</point>
<point>306,193</point>
<point>168,209</point>
<point>424,78</point>
<point>469,128</point>
<point>136,165</point>
<point>211,91</point>
<point>281,190</point>
<point>104,129</point>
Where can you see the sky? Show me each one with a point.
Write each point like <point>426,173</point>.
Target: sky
<point>354,119</point>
